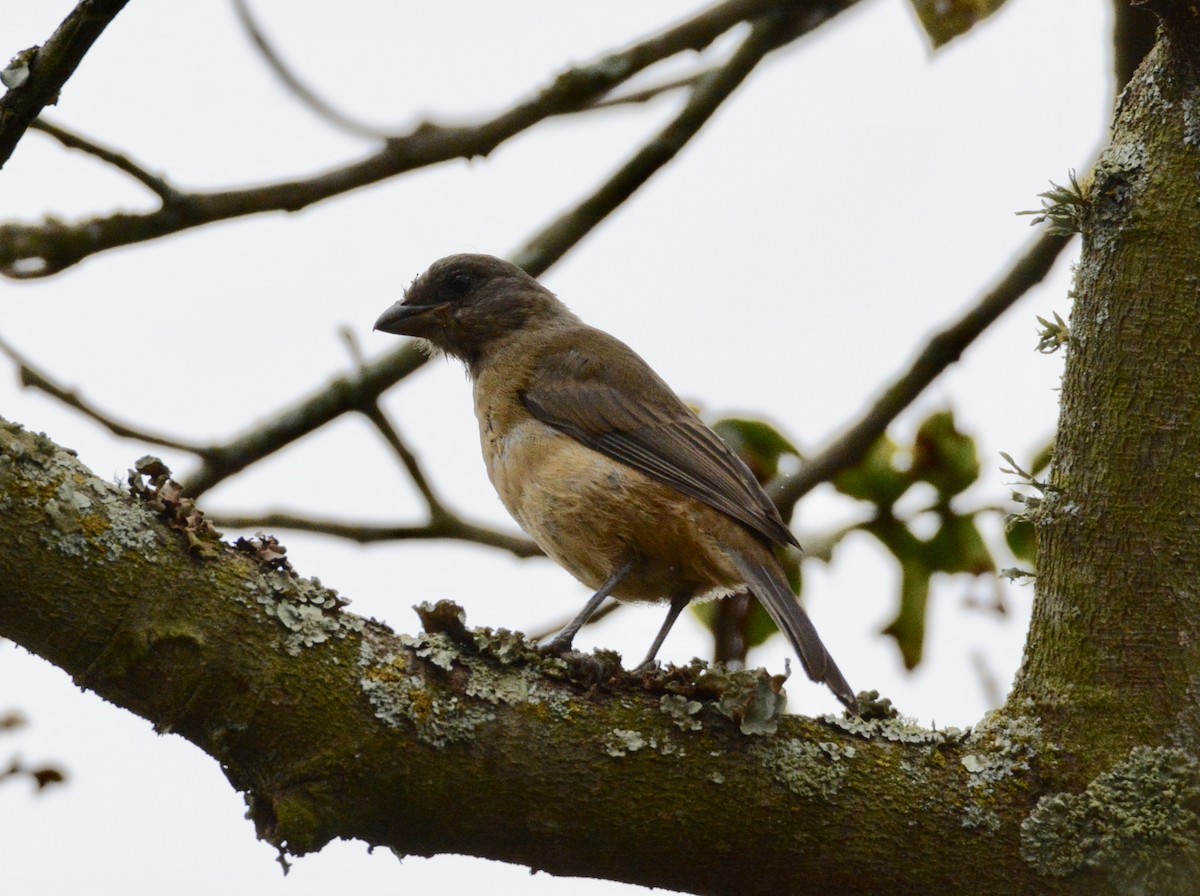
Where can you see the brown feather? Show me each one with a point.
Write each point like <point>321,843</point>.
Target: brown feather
<point>601,393</point>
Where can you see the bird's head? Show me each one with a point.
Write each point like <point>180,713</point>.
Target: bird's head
<point>464,303</point>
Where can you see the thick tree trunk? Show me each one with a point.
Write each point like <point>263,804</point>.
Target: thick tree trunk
<point>1115,646</point>
<point>1112,670</point>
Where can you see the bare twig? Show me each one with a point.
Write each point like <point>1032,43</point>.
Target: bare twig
<point>448,526</point>
<point>553,241</point>
<point>353,346</point>
<point>648,93</point>
<point>33,378</point>
<point>357,391</point>
<point>298,88</point>
<point>941,351</point>
<point>376,415</point>
<point>30,251</point>
<point>379,418</point>
<point>120,161</point>
<point>40,72</point>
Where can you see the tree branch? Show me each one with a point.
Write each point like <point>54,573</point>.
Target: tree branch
<point>553,242</point>
<point>357,391</point>
<point>447,525</point>
<point>294,85</point>
<point>336,728</point>
<point>31,251</point>
<point>39,73</point>
<point>940,352</point>
<point>32,378</point>
<point>120,161</point>
<point>391,435</point>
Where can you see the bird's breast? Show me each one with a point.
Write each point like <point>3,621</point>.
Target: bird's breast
<point>592,514</point>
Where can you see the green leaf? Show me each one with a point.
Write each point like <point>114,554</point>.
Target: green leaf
<point>908,628</point>
<point>944,20</point>
<point>1022,540</point>
<point>876,477</point>
<point>944,457</point>
<point>958,547</point>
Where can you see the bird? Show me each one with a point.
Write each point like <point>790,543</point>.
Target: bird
<point>599,461</point>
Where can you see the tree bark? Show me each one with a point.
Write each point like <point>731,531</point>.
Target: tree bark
<point>470,742</point>
<point>1115,645</point>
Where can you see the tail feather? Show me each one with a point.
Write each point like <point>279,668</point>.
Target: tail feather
<point>768,584</point>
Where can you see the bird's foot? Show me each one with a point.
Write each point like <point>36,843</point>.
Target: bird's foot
<point>556,646</point>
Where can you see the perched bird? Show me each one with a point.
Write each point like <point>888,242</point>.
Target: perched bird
<point>599,461</point>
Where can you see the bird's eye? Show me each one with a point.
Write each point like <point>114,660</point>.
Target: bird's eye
<point>459,283</point>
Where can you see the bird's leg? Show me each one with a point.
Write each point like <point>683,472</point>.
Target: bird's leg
<point>678,602</point>
<point>561,642</point>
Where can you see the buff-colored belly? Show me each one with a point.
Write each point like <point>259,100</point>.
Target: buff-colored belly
<point>593,515</point>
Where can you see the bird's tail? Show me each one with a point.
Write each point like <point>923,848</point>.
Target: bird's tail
<point>771,589</point>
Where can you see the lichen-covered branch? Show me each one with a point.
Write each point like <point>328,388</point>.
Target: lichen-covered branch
<point>333,726</point>
<point>1117,629</point>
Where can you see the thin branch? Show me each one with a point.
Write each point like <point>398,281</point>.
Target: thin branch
<point>391,434</point>
<point>357,391</point>
<point>387,429</point>
<point>29,251</point>
<point>298,88</point>
<point>448,526</point>
<point>648,93</point>
<point>120,161</point>
<point>941,351</point>
<point>37,75</point>
<point>553,241</point>
<point>33,378</point>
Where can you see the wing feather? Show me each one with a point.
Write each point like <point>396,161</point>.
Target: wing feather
<point>600,392</point>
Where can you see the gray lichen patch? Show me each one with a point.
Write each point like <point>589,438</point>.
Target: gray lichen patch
<point>980,818</point>
<point>621,741</point>
<point>808,769</point>
<point>682,711</point>
<point>308,612</point>
<point>1000,747</point>
<point>401,697</point>
<point>403,694</point>
<point>1137,825</point>
<point>757,711</point>
<point>900,729</point>
<point>84,517</point>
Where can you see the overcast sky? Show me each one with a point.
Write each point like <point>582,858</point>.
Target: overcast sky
<point>857,193</point>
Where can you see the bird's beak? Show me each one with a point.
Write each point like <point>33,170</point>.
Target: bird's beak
<point>405,320</point>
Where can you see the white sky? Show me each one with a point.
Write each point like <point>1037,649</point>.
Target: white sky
<point>854,195</point>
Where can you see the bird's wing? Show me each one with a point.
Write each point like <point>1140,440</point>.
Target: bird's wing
<point>601,393</point>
